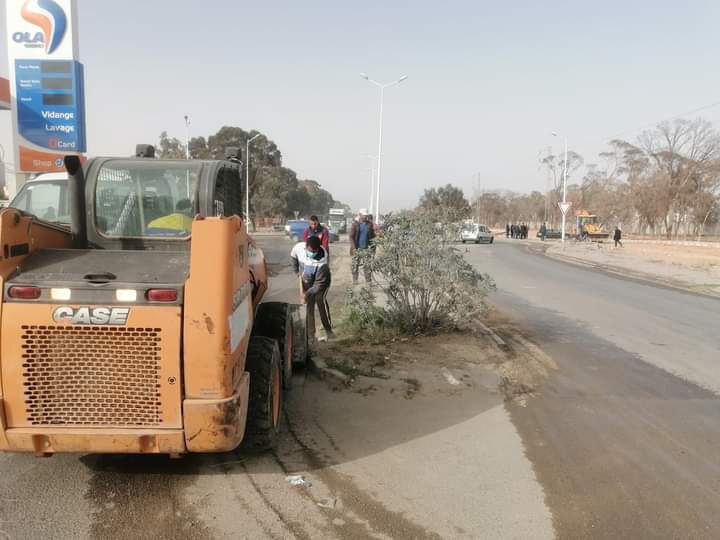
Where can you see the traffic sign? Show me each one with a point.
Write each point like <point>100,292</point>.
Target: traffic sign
<point>564,207</point>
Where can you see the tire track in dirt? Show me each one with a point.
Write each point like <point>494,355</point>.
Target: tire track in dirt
<point>141,497</point>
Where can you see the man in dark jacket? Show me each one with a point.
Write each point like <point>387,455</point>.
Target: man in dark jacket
<point>362,233</point>
<point>316,229</point>
<point>618,237</point>
<point>309,262</point>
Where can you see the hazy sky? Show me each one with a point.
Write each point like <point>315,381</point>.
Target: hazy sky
<point>488,81</point>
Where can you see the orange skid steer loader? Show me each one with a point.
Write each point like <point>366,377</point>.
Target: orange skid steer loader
<point>138,327</point>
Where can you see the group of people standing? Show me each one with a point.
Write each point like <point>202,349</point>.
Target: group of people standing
<point>311,262</point>
<point>516,231</point>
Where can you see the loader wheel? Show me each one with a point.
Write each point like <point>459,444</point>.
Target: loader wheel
<point>301,348</point>
<point>266,397</point>
<point>274,320</point>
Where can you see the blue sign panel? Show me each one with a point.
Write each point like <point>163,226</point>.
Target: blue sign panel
<point>51,104</point>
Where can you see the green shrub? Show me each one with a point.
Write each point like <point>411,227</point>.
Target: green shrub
<point>425,279</point>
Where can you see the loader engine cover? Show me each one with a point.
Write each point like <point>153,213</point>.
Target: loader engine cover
<point>95,316</point>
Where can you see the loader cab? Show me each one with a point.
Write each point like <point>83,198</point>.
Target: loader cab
<point>148,204</point>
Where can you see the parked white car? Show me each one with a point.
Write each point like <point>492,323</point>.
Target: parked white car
<point>480,234</point>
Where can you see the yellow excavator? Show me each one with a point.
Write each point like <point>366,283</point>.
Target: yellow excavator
<point>588,227</point>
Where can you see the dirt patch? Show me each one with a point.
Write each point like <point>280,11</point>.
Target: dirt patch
<point>525,366</point>
<point>690,266</point>
<point>413,387</point>
<point>447,363</point>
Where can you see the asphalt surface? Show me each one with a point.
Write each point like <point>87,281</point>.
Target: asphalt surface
<point>624,436</point>
<point>446,462</point>
<point>619,442</point>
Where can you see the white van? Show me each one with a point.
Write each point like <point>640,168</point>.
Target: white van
<point>480,234</point>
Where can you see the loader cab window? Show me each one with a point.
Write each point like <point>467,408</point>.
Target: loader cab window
<point>45,200</point>
<point>146,199</point>
<point>228,193</point>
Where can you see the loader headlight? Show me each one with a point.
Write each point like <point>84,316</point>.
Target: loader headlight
<point>61,294</point>
<point>126,295</point>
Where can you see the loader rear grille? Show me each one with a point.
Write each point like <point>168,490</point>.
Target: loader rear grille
<point>92,375</point>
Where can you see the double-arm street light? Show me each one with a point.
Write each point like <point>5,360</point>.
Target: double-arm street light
<point>379,154</point>
<point>564,209</point>
<point>247,182</point>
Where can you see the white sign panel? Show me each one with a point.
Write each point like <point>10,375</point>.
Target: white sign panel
<point>564,207</point>
<point>41,29</point>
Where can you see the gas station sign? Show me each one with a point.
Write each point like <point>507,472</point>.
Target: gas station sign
<point>46,83</point>
<point>50,104</point>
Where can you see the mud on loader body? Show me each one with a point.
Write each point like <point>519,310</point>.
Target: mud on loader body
<point>133,329</point>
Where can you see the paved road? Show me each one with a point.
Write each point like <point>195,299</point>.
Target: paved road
<point>613,445</point>
<point>624,437</point>
<point>448,463</point>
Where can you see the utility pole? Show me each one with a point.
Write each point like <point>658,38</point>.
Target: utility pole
<point>479,217</point>
<point>547,187</point>
<point>565,167</point>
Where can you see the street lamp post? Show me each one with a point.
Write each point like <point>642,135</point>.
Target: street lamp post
<point>565,165</point>
<point>187,137</point>
<point>371,170</point>
<point>379,155</point>
<point>187,155</point>
<point>247,182</point>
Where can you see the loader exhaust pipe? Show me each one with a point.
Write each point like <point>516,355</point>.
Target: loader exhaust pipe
<point>76,199</point>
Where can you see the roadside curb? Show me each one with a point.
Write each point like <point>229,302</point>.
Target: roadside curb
<point>623,272</point>
<point>498,340</point>
<point>318,366</point>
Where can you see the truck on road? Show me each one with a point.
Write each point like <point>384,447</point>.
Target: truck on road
<point>138,327</point>
<point>337,220</point>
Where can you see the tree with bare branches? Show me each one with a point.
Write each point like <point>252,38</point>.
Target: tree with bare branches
<point>685,154</point>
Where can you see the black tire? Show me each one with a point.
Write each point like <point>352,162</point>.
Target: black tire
<point>266,395</point>
<point>492,239</point>
<point>463,241</point>
<point>301,348</point>
<point>274,320</point>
